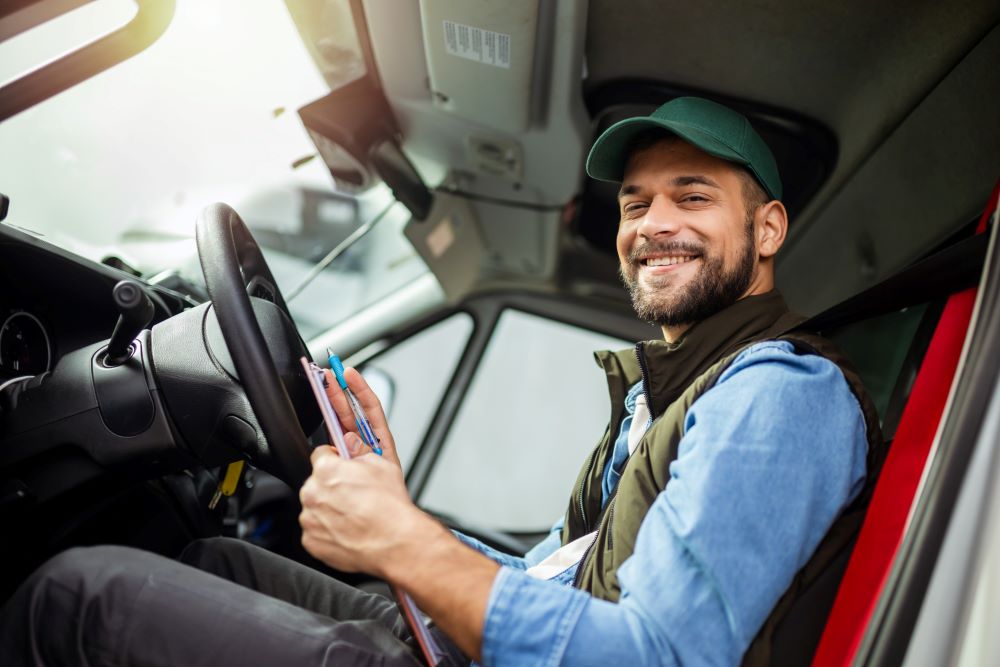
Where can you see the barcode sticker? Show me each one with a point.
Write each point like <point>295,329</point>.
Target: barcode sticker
<point>483,46</point>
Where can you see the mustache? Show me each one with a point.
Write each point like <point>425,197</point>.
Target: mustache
<point>663,247</point>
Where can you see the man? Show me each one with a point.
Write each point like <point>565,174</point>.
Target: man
<point>735,444</point>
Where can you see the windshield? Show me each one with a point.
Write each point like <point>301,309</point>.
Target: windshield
<point>120,165</point>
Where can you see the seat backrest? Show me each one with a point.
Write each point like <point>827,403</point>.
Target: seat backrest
<point>888,513</point>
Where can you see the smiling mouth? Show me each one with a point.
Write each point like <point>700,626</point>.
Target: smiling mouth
<point>669,260</point>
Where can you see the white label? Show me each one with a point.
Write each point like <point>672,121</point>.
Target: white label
<point>441,238</point>
<point>483,46</point>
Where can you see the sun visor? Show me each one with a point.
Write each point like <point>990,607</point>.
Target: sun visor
<point>480,57</point>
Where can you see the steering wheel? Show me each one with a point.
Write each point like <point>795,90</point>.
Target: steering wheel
<point>235,271</point>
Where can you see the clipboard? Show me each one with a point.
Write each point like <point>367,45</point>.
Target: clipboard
<point>429,647</point>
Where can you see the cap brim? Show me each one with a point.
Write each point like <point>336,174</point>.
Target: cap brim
<point>607,158</point>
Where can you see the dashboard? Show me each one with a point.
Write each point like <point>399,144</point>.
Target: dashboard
<point>83,445</point>
<point>53,302</point>
<point>25,347</point>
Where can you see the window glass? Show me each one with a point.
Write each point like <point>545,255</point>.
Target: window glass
<point>43,43</point>
<point>205,114</point>
<point>536,407</point>
<point>328,30</point>
<point>878,348</point>
<point>373,267</point>
<point>410,379</point>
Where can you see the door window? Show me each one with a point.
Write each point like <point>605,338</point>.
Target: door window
<point>410,378</point>
<point>535,408</point>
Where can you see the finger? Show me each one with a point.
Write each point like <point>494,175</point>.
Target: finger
<point>324,465</point>
<point>310,522</point>
<point>309,494</point>
<point>366,397</point>
<point>306,493</point>
<point>372,406</point>
<point>355,445</point>
<point>315,547</point>
<point>339,402</point>
<point>321,451</point>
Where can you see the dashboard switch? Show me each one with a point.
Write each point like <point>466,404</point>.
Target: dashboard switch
<point>136,314</point>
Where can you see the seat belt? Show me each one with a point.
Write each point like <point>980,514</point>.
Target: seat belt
<point>888,513</point>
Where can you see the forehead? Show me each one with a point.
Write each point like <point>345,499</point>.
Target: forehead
<point>672,156</point>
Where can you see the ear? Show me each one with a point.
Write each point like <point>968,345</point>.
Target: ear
<point>771,223</point>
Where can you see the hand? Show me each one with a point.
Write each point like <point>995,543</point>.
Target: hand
<point>371,405</point>
<point>358,517</point>
<point>357,514</point>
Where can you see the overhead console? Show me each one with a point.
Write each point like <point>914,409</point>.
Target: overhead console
<point>518,141</point>
<point>480,60</point>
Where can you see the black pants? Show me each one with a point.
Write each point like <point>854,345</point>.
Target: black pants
<point>226,603</point>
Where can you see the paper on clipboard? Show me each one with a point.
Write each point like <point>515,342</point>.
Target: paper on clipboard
<point>429,647</point>
<point>317,382</point>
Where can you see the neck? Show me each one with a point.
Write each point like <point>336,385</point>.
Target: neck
<point>672,334</point>
<point>763,282</point>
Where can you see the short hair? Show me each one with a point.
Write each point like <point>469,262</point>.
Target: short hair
<point>754,195</point>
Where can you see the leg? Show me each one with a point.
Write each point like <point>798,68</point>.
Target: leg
<point>119,606</point>
<point>282,578</point>
<point>299,585</point>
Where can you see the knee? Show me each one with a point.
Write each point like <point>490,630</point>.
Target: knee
<point>210,553</point>
<point>85,563</point>
<point>44,605</point>
<point>76,575</point>
<point>81,592</point>
<point>66,566</point>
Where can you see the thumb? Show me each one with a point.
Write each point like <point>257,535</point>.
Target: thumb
<point>355,445</point>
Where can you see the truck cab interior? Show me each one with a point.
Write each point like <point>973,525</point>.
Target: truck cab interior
<point>453,230</point>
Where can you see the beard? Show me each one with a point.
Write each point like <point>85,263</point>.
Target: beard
<point>712,289</point>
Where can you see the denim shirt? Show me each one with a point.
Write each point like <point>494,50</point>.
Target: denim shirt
<point>761,474</point>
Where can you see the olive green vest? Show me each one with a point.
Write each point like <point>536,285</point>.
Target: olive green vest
<point>674,376</point>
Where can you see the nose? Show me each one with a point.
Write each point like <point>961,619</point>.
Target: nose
<point>661,219</point>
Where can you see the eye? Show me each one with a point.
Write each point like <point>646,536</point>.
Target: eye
<point>695,200</point>
<point>633,207</point>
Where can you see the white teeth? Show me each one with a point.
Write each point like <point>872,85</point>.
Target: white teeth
<point>667,261</point>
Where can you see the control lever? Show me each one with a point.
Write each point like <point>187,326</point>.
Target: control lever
<point>136,313</point>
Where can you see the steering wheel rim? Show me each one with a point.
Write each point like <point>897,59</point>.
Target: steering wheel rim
<point>225,249</point>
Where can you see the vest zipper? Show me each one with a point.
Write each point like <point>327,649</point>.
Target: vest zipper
<point>583,482</point>
<point>590,467</point>
<point>611,542</point>
<point>645,375</point>
<point>578,577</point>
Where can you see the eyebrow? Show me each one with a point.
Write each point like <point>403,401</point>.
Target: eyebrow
<point>677,182</point>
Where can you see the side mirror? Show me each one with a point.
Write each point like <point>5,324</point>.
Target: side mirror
<point>383,385</point>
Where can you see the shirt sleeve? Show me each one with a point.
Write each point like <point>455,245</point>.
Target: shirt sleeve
<point>769,458</point>
<point>535,555</point>
<point>547,546</point>
<point>497,556</point>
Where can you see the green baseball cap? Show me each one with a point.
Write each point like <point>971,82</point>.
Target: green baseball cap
<point>713,128</point>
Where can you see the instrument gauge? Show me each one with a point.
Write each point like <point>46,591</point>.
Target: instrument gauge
<point>25,348</point>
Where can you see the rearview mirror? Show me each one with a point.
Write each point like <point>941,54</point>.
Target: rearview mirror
<point>356,135</point>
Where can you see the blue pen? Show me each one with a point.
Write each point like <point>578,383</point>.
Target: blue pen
<point>360,419</point>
